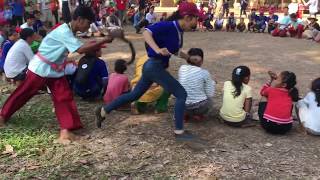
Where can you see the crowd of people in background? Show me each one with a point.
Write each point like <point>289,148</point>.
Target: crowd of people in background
<point>24,27</point>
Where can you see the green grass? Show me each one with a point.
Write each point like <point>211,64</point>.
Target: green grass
<point>31,129</point>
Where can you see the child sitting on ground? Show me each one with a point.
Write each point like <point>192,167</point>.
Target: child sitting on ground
<point>276,114</point>
<point>261,22</point>
<point>237,99</point>
<point>311,28</point>
<point>163,16</point>
<point>308,109</point>
<point>241,27</point>
<point>231,24</point>
<point>91,77</point>
<point>252,20</point>
<point>118,83</point>
<point>296,27</point>
<point>282,24</point>
<point>19,56</point>
<point>218,24</point>
<point>272,19</point>
<point>155,93</point>
<point>12,37</point>
<point>207,20</point>
<point>199,86</point>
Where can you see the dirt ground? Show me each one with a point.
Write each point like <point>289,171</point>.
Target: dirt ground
<point>143,147</point>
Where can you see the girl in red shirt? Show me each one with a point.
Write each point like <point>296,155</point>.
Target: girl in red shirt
<point>276,114</point>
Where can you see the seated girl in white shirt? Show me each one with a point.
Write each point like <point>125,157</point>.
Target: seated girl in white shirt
<point>308,109</point>
<point>199,86</point>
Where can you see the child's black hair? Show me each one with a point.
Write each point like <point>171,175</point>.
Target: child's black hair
<point>293,15</point>
<point>174,16</point>
<point>195,52</point>
<point>290,79</point>
<point>11,31</point>
<point>315,87</point>
<point>238,76</point>
<point>29,16</point>
<point>83,12</point>
<point>25,33</point>
<point>120,66</point>
<point>42,33</point>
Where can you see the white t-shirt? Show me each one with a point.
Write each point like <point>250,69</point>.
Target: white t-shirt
<point>293,8</point>
<point>151,18</point>
<point>197,82</point>
<point>313,6</point>
<point>17,58</point>
<point>309,112</point>
<point>25,25</point>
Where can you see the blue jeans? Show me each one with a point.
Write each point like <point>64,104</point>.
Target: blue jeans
<point>154,71</point>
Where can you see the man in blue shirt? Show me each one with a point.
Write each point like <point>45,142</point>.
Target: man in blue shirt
<point>92,76</point>
<point>17,11</point>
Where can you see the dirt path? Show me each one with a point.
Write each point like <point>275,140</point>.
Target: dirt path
<point>143,146</point>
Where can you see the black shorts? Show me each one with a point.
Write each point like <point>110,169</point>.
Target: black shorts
<point>21,77</point>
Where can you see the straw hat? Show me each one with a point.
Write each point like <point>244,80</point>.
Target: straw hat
<point>312,17</point>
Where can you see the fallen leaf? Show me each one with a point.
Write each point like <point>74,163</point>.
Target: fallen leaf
<point>268,144</point>
<point>8,149</point>
<point>33,167</point>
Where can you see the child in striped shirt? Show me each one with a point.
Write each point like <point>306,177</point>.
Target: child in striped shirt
<point>276,114</point>
<point>199,86</point>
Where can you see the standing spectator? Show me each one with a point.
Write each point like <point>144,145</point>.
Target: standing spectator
<point>121,9</point>
<point>225,7</point>
<point>163,16</point>
<point>8,14</point>
<point>142,4</point>
<point>243,8</point>
<point>313,6</point>
<point>151,17</point>
<point>54,6</point>
<point>66,16</point>
<point>44,7</point>
<point>301,8</point>
<point>17,12</point>
<point>139,20</point>
<point>293,7</point>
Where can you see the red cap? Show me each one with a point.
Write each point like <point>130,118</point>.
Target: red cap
<point>102,46</point>
<point>187,8</point>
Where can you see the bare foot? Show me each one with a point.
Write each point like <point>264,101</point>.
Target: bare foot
<point>66,137</point>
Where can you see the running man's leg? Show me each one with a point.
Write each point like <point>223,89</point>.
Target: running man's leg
<point>22,95</point>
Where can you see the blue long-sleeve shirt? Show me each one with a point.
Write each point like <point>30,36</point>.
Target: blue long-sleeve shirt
<point>5,49</point>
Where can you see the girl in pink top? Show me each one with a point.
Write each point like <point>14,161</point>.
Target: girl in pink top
<point>276,114</point>
<point>118,83</point>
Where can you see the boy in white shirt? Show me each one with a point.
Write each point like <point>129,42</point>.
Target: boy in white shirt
<point>29,24</point>
<point>19,56</point>
<point>199,86</point>
<point>151,17</point>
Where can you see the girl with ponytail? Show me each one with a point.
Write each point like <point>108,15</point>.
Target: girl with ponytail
<point>308,109</point>
<point>237,99</point>
<point>276,114</point>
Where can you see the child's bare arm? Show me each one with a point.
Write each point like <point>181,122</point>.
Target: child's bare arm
<point>247,105</point>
